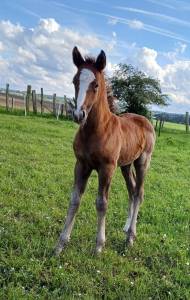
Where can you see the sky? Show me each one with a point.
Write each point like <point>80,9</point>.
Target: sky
<point>37,38</point>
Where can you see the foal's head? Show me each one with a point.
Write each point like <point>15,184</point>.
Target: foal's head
<point>87,83</point>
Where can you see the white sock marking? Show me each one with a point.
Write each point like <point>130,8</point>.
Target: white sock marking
<point>128,222</point>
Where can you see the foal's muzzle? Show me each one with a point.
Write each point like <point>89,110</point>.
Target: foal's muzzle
<point>79,116</point>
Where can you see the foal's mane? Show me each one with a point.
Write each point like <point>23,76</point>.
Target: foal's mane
<point>110,98</point>
<point>90,60</point>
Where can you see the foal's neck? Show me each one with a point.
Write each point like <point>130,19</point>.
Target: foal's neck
<point>100,112</point>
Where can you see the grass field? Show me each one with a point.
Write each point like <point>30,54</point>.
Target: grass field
<point>36,174</point>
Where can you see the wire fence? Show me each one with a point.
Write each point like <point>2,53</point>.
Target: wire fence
<point>31,101</point>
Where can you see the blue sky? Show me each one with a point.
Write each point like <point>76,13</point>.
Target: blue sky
<point>37,37</point>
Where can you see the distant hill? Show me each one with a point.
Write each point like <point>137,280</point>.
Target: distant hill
<point>20,94</point>
<point>170,117</point>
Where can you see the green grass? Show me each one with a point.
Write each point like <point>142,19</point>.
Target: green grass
<point>170,125</point>
<point>36,174</point>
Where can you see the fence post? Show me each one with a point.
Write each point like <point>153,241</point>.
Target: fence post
<point>34,102</point>
<point>151,118</point>
<point>187,121</point>
<point>66,109</point>
<point>42,101</point>
<point>12,103</point>
<point>156,124</point>
<point>7,96</point>
<point>160,125</point>
<point>62,109</point>
<point>25,105</point>
<point>58,110</point>
<point>54,105</point>
<point>28,95</point>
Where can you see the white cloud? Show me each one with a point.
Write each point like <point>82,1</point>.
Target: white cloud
<point>40,40</point>
<point>26,55</point>
<point>112,21</point>
<point>162,4</point>
<point>3,65</point>
<point>10,30</point>
<point>182,47</point>
<point>143,26</point>
<point>1,46</point>
<point>174,75</point>
<point>50,25</point>
<point>173,55</point>
<point>110,68</point>
<point>136,24</point>
<point>173,4</point>
<point>159,16</point>
<point>42,56</point>
<point>146,27</point>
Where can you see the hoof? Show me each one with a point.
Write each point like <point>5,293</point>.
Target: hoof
<point>98,250</point>
<point>129,242</point>
<point>125,229</point>
<point>58,250</point>
<point>130,238</point>
<point>60,247</point>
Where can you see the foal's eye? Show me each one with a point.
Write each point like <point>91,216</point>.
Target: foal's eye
<point>95,87</point>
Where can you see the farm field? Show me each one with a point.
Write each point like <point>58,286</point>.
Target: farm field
<point>36,174</point>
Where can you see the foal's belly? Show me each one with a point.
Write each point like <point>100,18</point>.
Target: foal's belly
<point>96,159</point>
<point>130,152</point>
<point>126,158</point>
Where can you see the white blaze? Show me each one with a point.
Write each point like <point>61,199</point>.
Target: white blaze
<point>86,77</point>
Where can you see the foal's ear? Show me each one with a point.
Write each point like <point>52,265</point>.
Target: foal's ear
<point>78,60</point>
<point>101,61</point>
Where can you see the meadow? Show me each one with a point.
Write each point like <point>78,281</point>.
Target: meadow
<point>36,175</point>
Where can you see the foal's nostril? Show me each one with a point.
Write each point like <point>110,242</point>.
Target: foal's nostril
<point>83,114</point>
<point>79,116</point>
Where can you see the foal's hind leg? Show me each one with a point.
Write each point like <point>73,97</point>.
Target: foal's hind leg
<point>82,173</point>
<point>141,166</point>
<point>128,175</point>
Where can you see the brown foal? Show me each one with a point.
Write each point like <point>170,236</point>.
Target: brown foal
<point>103,142</point>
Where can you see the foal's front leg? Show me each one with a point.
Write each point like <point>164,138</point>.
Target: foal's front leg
<point>82,173</point>
<point>104,177</point>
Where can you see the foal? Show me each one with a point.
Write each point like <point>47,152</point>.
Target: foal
<point>103,142</point>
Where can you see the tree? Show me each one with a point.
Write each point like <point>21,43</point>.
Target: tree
<point>135,91</point>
